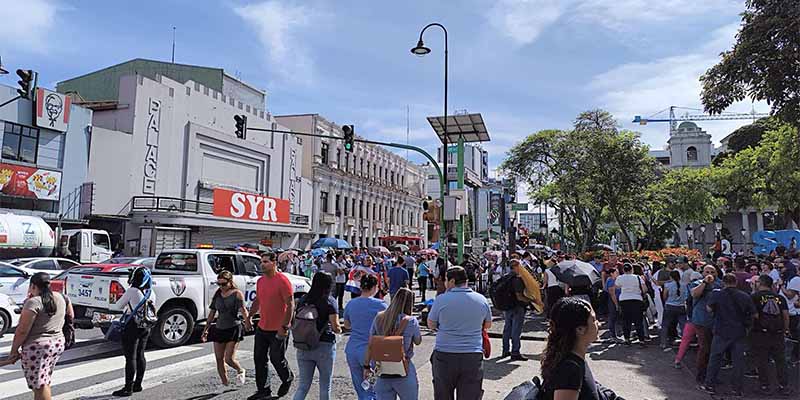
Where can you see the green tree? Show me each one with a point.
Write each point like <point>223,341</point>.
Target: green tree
<point>764,63</point>
<point>767,175</point>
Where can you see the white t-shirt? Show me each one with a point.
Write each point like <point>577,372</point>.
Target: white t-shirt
<point>629,283</point>
<point>793,284</point>
<point>551,278</point>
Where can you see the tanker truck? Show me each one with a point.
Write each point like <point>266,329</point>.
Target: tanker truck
<point>29,236</point>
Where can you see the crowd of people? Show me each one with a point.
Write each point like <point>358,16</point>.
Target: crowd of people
<point>739,313</point>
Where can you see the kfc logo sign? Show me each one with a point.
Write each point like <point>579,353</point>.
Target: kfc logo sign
<point>251,207</point>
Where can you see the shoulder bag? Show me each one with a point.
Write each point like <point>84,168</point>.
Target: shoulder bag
<point>69,326</point>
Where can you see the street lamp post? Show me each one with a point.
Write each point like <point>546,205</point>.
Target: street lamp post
<point>421,50</point>
<point>703,242</point>
<point>689,235</point>
<point>744,240</point>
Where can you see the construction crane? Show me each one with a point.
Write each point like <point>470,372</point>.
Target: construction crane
<point>673,119</point>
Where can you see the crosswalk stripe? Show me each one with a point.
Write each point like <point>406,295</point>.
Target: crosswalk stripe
<point>153,378</point>
<point>70,374</point>
<point>4,350</point>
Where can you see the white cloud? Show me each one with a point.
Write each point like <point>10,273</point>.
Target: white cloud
<point>277,25</point>
<point>524,20</point>
<point>648,87</point>
<point>27,24</point>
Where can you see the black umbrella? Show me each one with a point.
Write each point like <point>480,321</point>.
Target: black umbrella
<point>576,273</point>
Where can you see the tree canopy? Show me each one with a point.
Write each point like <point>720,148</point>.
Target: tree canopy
<point>764,63</point>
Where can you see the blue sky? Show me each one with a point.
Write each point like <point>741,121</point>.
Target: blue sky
<point>526,65</point>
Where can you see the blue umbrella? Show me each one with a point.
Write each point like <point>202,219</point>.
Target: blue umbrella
<point>318,252</point>
<point>332,243</point>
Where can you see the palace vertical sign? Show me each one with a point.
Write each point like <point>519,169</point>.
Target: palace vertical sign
<point>151,157</point>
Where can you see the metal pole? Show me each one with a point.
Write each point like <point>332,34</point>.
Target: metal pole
<point>460,227</point>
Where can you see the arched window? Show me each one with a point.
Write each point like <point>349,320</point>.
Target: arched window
<point>691,154</point>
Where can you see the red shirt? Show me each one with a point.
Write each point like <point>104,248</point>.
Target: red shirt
<point>271,294</point>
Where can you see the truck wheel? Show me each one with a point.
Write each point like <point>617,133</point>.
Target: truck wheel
<point>5,322</point>
<point>174,328</point>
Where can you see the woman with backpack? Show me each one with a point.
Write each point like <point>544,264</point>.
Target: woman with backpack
<point>135,332</point>
<point>398,321</point>
<point>38,339</point>
<point>566,375</point>
<point>226,306</point>
<point>314,330</point>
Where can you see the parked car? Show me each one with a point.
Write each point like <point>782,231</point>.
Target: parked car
<point>51,265</point>
<point>14,282</point>
<point>9,313</point>
<point>184,282</point>
<point>146,261</point>
<point>57,282</point>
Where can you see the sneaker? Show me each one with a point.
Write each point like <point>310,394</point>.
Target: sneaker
<point>751,374</point>
<point>240,378</point>
<point>285,386</point>
<point>627,342</point>
<point>260,395</point>
<point>642,345</point>
<point>677,365</point>
<point>666,349</point>
<point>706,388</point>
<point>518,357</point>
<point>124,392</point>
<point>505,354</point>
<point>136,388</point>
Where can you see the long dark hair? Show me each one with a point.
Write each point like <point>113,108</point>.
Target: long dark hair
<point>320,288</point>
<point>41,280</point>
<point>568,314</point>
<point>676,276</point>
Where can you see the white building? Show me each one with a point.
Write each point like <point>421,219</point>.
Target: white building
<point>362,195</point>
<point>164,154</point>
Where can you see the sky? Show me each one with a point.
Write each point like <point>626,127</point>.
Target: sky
<point>525,65</point>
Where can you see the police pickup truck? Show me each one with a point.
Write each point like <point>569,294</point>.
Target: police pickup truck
<point>184,282</point>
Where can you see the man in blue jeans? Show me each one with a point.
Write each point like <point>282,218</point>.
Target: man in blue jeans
<point>515,317</point>
<point>733,313</point>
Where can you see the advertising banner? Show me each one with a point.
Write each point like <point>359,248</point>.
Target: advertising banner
<point>494,209</point>
<point>250,207</point>
<point>52,110</point>
<point>22,181</point>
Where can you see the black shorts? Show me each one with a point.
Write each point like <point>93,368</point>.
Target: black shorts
<point>235,334</point>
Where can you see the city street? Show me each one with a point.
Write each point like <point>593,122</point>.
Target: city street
<point>94,368</point>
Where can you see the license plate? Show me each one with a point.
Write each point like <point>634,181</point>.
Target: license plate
<point>98,317</point>
<point>84,292</point>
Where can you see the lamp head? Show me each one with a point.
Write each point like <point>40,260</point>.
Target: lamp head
<point>420,50</point>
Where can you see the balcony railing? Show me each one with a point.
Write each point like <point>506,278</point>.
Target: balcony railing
<point>177,205</point>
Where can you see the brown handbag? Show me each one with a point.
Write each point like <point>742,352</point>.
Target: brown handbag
<point>388,353</point>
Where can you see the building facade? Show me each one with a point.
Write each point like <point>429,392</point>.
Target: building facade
<point>359,196</point>
<point>43,167</point>
<point>165,157</point>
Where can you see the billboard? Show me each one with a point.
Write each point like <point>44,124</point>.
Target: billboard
<point>495,207</point>
<point>250,207</point>
<point>52,110</point>
<point>30,182</point>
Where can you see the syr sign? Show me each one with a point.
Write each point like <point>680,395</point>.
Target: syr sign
<point>767,241</point>
<point>249,206</point>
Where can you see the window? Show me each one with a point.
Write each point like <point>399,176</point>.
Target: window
<point>367,172</point>
<point>353,208</point>
<point>8,272</point>
<point>44,265</point>
<point>380,173</point>
<point>339,158</point>
<point>361,167</point>
<point>337,205</point>
<point>691,153</point>
<point>392,179</point>
<point>252,265</point>
<point>324,153</point>
<point>346,162</point>
<point>361,209</point>
<point>176,262</point>
<point>345,206</point>
<point>20,143</point>
<point>323,199</point>
<point>373,211</point>
<point>222,262</point>
<point>101,240</point>
<point>67,264</point>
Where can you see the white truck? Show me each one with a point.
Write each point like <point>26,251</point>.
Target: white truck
<point>86,246</point>
<point>184,282</point>
<point>26,236</point>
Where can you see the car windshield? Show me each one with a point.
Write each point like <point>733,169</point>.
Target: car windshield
<point>177,262</point>
<point>120,260</point>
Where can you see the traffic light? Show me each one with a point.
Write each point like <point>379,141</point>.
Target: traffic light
<point>349,137</point>
<point>241,126</point>
<point>427,204</point>
<point>25,78</point>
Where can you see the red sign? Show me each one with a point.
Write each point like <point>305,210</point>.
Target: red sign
<point>21,181</point>
<point>251,207</point>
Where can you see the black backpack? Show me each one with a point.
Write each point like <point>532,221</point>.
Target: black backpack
<point>770,317</point>
<point>502,293</point>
